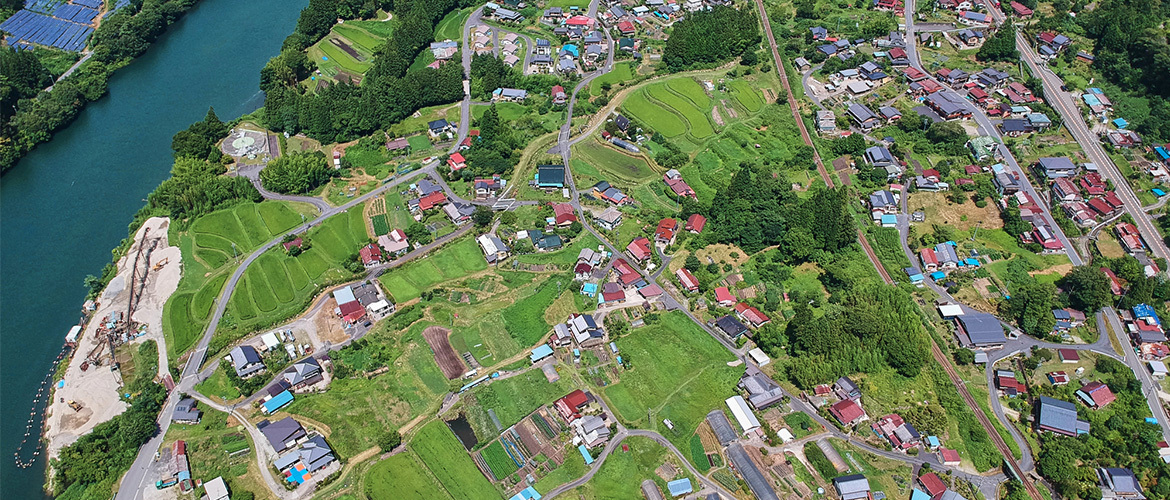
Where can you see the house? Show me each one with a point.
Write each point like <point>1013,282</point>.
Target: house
<point>751,315</point>
<point>970,37</point>
<point>731,327</point>
<point>846,388</point>
<point>947,106</point>
<point>1043,235</point>
<point>1057,378</point>
<point>216,489</point>
<point>1006,183</point>
<point>1014,127</point>
<point>438,127</point>
<point>604,191</point>
<point>1119,483</point>
<point>585,330</point>
<point>541,62</point>
<point>819,33</point>
<point>932,484</point>
<point>592,430</point>
<point>622,122</point>
<point>1065,190</point>
<point>1054,167</point>
<point>427,202</point>
<point>1059,417</point>
<point>246,361</point>
<point>889,113</point>
<point>626,28</point>
<point>801,64</point>
<point>901,434</point>
<point>186,412</point>
<point>1039,121</point>
<point>548,242</point>
<point>494,249</point>
<point>852,487</point>
<point>487,187</point>
<point>884,201</point>
<point>949,458</point>
<point>282,434</point>
<point>983,148</point>
<point>687,280</point>
<point>507,15</point>
<point>558,94</point>
<point>863,116</point>
<point>982,329</point>
<point>826,121</point>
<point>613,292</point>
<point>313,455</point>
<point>724,297</point>
<point>762,392</point>
<point>970,18</point>
<point>881,157</point>
<point>1130,238</point>
<point>639,249</point>
<point>953,77</point>
<point>1020,10</point>
<point>399,144</point>
<point>1008,384</point>
<point>609,219</point>
<point>695,223</point>
<point>991,78</point>
<point>371,255</point>
<point>929,259</point>
<point>675,182</point>
<point>898,57</point>
<point>570,406</point>
<point>444,50</point>
<point>550,176</point>
<point>871,71</point>
<point>666,232</point>
<point>1096,395</point>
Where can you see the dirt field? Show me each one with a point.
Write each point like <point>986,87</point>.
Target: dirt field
<point>328,327</point>
<point>715,116</point>
<point>1062,269</point>
<point>1108,245</point>
<point>450,362</point>
<point>940,211</point>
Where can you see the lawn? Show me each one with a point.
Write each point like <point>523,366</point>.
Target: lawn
<point>612,163</point>
<point>663,121</point>
<point>508,111</point>
<point>438,447</point>
<point>452,261</point>
<point>219,386</point>
<point>683,390</point>
<point>801,424</point>
<point>402,476</point>
<point>419,143</point>
<point>621,73</point>
<point>524,319</point>
<point>621,476</point>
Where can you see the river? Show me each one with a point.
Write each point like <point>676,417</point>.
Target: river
<point>65,205</point>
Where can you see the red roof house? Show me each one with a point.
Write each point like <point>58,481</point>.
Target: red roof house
<point>932,484</point>
<point>913,74</point>
<point>371,255</point>
<point>687,280</point>
<point>949,457</point>
<point>352,312</point>
<point>929,258</point>
<point>667,228</point>
<point>1058,378</point>
<point>751,315</point>
<point>1068,355</point>
<point>847,412</point>
<point>570,406</point>
<point>1112,199</point>
<point>563,213</point>
<point>579,21</point>
<point>1115,285</point>
<point>695,223</point>
<point>432,200</point>
<point>1096,395</point>
<point>639,249</point>
<point>1099,206</point>
<point>1021,10</point>
<point>626,28</point>
<point>724,297</point>
<point>456,162</point>
<point>679,187</point>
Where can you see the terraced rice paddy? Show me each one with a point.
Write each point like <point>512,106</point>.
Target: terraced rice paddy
<point>746,96</point>
<point>453,261</point>
<point>672,108</point>
<point>697,119</point>
<point>614,165</point>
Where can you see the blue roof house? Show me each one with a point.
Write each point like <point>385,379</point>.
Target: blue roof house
<point>277,402</point>
<point>589,289</point>
<point>540,352</point>
<point>1120,123</point>
<point>528,493</point>
<point>571,49</point>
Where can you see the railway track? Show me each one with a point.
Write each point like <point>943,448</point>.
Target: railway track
<point>996,439</point>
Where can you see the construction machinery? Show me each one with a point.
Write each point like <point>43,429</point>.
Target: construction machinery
<point>120,327</point>
<point>75,405</point>
<point>161,263</point>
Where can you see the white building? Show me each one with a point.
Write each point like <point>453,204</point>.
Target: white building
<point>747,420</point>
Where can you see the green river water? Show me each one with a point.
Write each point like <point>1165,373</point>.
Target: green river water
<point>68,203</point>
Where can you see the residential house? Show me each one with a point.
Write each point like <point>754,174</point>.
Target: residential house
<point>901,434</point>
<point>494,249</point>
<point>971,18</point>
<point>724,297</point>
<point>303,373</point>
<point>639,249</point>
<point>550,176</point>
<point>282,434</point>
<point>883,201</point>
<point>1130,238</point>
<point>898,57</point>
<point>592,430</point>
<point>970,37</point>
<point>852,487</point>
<point>695,223</point>
<point>677,185</point>
<point>881,157</point>
<point>609,219</point>
<point>687,280</point>
<point>846,388</point>
<point>889,113</point>
<point>1065,190</point>
<point>863,116</point>
<point>427,202</point>
<point>571,406</point>
<point>751,315</point>
<point>982,330</point>
<point>762,391</point>
<point>604,191</point>
<point>1020,10</point>
<point>1096,395</point>
<point>585,331</point>
<point>819,33</point>
<point>246,361</point>
<point>558,94</point>
<point>1054,167</point>
<point>826,121</point>
<point>1119,483</point>
<point>666,231</point>
<point>1008,384</point>
<point>487,187</point>
<point>613,293</point>
<point>991,78</point>
<point>947,106</point>
<point>953,77</point>
<point>313,455</point>
<point>1014,127</point>
<point>459,212</point>
<point>186,412</point>
<point>983,148</point>
<point>731,327</point>
<point>1054,415</point>
<point>439,127</point>
<point>1006,183</point>
<point>848,412</point>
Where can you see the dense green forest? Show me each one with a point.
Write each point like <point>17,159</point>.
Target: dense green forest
<point>389,93</point>
<point>122,36</point>
<point>715,36</point>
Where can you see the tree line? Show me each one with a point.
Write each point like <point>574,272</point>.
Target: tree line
<point>704,38</point>
<point>389,92</point>
<point>37,115</point>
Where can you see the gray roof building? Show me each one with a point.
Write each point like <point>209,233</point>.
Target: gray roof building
<point>246,360</point>
<point>1055,167</point>
<point>282,434</point>
<point>304,372</point>
<point>983,329</point>
<point>852,487</point>
<point>186,411</point>
<point>1059,417</point>
<point>1119,483</point>
<point>314,453</point>
<point>865,117</point>
<point>762,393</point>
<point>879,156</point>
<point>721,426</point>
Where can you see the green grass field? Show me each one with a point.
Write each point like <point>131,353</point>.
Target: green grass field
<point>746,96</point>
<point>524,320</point>
<point>689,88</point>
<point>361,38</point>
<point>451,26</point>
<point>614,165</point>
<point>683,390</point>
<point>511,399</point>
<point>621,476</point>
<point>402,476</point>
<point>438,447</point>
<point>453,261</point>
<point>621,73</point>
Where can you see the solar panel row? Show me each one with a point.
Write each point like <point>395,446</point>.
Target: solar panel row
<point>75,13</point>
<point>93,4</point>
<point>42,6</point>
<point>40,29</point>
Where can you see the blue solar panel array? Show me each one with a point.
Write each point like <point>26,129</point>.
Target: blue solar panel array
<point>42,6</point>
<point>31,27</point>
<point>93,4</point>
<point>75,13</point>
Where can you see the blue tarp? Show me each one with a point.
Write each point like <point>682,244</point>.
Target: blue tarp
<point>278,401</point>
<point>972,262</point>
<point>1158,192</point>
<point>585,454</point>
<point>1145,311</point>
<point>937,275</point>
<point>889,220</point>
<point>541,352</point>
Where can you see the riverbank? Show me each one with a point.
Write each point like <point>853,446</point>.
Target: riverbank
<point>96,388</point>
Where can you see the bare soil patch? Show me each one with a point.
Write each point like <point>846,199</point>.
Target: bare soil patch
<point>963,216</point>
<point>450,362</point>
<point>715,116</point>
<point>328,327</point>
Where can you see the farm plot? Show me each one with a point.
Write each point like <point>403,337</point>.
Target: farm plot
<point>689,88</point>
<point>525,319</point>
<point>653,115</point>
<point>511,399</point>
<point>451,364</point>
<point>746,96</point>
<point>360,37</point>
<point>658,387</point>
<point>612,163</point>
<point>621,73</point>
<point>498,460</point>
<point>402,476</point>
<point>438,447</point>
<point>698,120</point>
<point>453,261</point>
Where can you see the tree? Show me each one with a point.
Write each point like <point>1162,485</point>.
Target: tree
<point>296,173</point>
<point>712,36</point>
<point>964,356</point>
<point>1088,288</point>
<point>1001,46</point>
<point>389,440</point>
<point>482,216</point>
<point>418,233</point>
<point>692,263</point>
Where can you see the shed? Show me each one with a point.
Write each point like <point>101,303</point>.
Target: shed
<point>540,352</point>
<point>1158,369</point>
<point>528,493</point>
<point>762,359</point>
<point>679,487</point>
<point>277,402</point>
<point>739,408</point>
